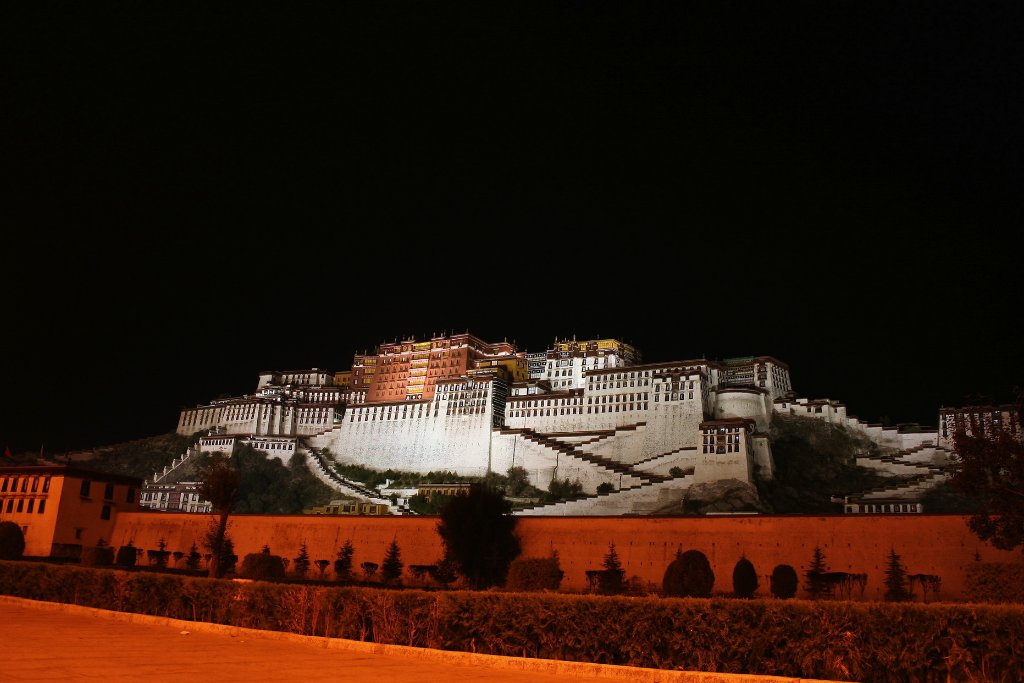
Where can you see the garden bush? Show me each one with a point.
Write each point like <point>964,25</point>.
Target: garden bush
<point>127,555</point>
<point>784,581</point>
<point>12,541</point>
<point>799,638</point>
<point>534,574</point>
<point>689,575</point>
<point>262,566</point>
<point>97,556</point>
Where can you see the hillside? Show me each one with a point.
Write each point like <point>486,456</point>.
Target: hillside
<point>814,460</point>
<point>268,485</point>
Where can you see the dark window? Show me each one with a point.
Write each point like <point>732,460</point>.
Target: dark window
<point>10,505</point>
<point>3,487</point>
<point>108,492</point>
<point>21,505</point>
<point>105,512</point>
<point>42,506</point>
<point>85,488</point>
<point>131,494</point>
<point>46,484</point>
<point>31,505</point>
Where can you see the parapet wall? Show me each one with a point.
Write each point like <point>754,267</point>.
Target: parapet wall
<point>928,544</point>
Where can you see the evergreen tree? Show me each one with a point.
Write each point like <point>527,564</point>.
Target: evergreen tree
<point>613,576</point>
<point>391,568</point>
<point>343,565</point>
<point>895,579</point>
<point>815,584</point>
<point>302,562</point>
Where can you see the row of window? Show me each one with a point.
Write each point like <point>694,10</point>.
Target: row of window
<point>27,483</point>
<point>27,505</point>
<point>549,412</point>
<point>728,448</point>
<point>886,507</point>
<point>108,492</point>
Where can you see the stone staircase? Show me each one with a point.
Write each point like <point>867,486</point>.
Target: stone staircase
<point>612,467</point>
<point>642,499</point>
<point>911,489</point>
<point>899,462</point>
<point>175,464</point>
<point>923,475</point>
<point>325,473</point>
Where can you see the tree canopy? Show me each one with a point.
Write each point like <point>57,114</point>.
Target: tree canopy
<point>478,531</point>
<point>989,466</point>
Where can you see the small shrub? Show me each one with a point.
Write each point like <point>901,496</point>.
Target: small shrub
<point>193,558</point>
<point>784,581</point>
<point>676,471</point>
<point>12,541</point>
<point>369,569</point>
<point>534,574</point>
<point>99,555</point>
<point>689,575</point>
<point>445,572</point>
<point>127,555</point>
<point>744,578</point>
<point>605,487</point>
<point>322,566</point>
<point>262,566</point>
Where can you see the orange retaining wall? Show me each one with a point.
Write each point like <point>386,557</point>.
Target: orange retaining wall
<point>927,544</point>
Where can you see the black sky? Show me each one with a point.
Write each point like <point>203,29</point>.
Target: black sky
<point>196,193</point>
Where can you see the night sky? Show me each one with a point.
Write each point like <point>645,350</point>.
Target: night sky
<point>193,194</point>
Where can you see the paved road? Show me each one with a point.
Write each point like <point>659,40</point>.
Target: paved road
<point>42,641</point>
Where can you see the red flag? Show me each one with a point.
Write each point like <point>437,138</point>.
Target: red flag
<point>7,452</point>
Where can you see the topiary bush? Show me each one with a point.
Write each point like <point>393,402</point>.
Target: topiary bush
<point>262,566</point>
<point>12,541</point>
<point>534,574</point>
<point>100,555</point>
<point>689,575</point>
<point>784,581</point>
<point>744,579</point>
<point>127,555</point>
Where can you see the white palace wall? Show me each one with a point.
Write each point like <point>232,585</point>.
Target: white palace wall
<point>443,434</point>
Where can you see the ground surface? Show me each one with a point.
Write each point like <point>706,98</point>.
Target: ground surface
<point>50,642</point>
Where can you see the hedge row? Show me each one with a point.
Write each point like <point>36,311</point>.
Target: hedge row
<point>830,640</point>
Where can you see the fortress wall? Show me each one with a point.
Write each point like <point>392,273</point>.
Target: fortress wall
<point>672,425</point>
<point>928,544</point>
<point>742,404</point>
<point>542,464</point>
<point>447,442</point>
<point>625,446</point>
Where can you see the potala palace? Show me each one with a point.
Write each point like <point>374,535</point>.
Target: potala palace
<point>590,411</point>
